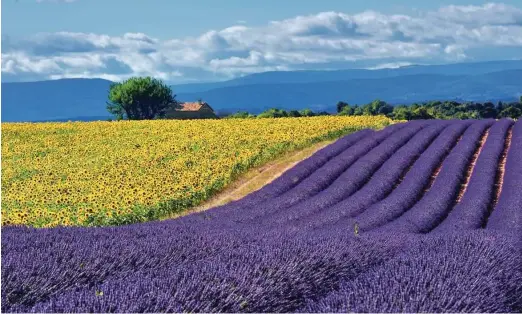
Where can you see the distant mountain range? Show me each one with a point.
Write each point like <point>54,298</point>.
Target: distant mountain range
<point>84,99</point>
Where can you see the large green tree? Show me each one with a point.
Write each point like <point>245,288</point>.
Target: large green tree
<point>140,98</point>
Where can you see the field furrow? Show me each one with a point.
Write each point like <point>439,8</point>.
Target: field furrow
<point>411,189</point>
<point>381,183</point>
<point>507,214</point>
<point>432,208</point>
<point>316,182</point>
<point>471,167</point>
<point>298,173</point>
<point>473,209</point>
<point>502,168</point>
<point>348,182</point>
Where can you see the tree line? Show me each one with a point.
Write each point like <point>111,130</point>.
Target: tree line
<point>415,111</point>
<point>434,110</point>
<point>141,98</point>
<point>277,113</point>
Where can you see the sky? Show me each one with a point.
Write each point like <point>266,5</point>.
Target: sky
<point>185,41</point>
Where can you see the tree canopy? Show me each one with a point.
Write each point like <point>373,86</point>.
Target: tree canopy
<point>140,98</point>
<point>340,106</point>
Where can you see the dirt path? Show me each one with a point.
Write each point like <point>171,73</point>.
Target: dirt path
<point>255,179</point>
<point>502,167</point>
<point>471,167</point>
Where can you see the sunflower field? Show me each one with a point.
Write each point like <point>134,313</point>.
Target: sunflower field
<point>114,173</point>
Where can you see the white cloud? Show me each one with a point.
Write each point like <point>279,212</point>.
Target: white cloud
<point>393,65</point>
<point>319,41</point>
<point>87,74</point>
<point>490,14</point>
<point>110,77</point>
<point>20,62</point>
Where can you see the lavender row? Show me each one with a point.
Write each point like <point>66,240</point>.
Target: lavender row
<point>317,181</point>
<point>429,211</point>
<point>472,211</point>
<point>347,183</point>
<point>297,173</point>
<point>507,215</point>
<point>381,183</point>
<point>407,193</point>
<point>444,274</point>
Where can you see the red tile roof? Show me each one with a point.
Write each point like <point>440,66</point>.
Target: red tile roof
<point>191,106</point>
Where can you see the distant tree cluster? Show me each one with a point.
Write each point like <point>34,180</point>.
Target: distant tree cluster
<point>376,107</point>
<point>278,113</point>
<point>434,110</point>
<point>239,115</point>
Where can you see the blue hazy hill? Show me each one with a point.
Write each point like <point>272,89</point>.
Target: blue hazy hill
<point>55,100</point>
<point>271,77</point>
<point>85,99</point>
<point>503,85</point>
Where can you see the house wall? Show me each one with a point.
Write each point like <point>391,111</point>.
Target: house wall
<point>201,114</point>
<point>206,109</point>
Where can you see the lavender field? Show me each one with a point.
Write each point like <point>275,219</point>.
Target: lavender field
<point>420,216</point>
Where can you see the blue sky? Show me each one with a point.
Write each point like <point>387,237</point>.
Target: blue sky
<point>203,40</point>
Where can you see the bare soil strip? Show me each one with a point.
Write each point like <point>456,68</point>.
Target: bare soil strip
<point>433,177</point>
<point>471,167</point>
<point>255,179</point>
<point>502,168</point>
